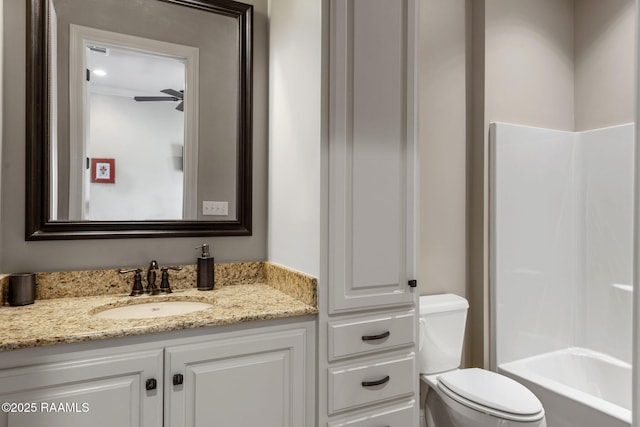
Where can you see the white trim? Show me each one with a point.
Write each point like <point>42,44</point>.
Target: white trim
<point>78,37</point>
<point>53,124</point>
<point>635,392</point>
<point>2,141</point>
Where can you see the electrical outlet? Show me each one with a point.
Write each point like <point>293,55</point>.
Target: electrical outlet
<point>215,208</point>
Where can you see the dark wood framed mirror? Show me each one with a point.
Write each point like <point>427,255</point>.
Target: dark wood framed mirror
<point>48,203</point>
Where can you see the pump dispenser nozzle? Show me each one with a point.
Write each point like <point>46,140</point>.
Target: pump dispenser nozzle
<point>205,250</point>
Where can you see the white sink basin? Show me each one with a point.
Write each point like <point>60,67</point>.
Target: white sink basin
<point>153,309</point>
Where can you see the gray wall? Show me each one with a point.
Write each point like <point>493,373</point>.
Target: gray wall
<point>442,146</point>
<point>20,255</point>
<point>604,63</point>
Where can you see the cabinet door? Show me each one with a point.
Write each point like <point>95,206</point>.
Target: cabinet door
<point>371,153</point>
<point>255,380</point>
<point>98,392</point>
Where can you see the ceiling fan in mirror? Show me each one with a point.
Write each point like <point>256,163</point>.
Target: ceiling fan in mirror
<point>174,95</point>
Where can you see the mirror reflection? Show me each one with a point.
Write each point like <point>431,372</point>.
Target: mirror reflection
<point>148,118</point>
<point>130,129</point>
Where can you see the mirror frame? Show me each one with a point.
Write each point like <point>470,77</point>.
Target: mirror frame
<point>39,226</point>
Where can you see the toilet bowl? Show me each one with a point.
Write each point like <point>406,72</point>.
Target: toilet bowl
<point>465,397</point>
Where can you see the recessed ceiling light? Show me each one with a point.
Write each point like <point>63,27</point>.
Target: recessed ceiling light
<point>99,72</point>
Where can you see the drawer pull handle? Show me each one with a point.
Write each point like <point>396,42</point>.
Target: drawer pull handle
<point>375,383</point>
<point>151,384</point>
<point>376,337</point>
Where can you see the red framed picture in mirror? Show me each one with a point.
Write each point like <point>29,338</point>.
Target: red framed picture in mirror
<point>103,171</point>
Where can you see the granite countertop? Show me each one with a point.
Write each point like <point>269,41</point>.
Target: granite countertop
<point>71,319</point>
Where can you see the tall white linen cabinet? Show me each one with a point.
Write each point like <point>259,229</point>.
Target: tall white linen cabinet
<point>342,182</point>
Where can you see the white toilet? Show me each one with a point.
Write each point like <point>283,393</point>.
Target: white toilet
<point>465,397</point>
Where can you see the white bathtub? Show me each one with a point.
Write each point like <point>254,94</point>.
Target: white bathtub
<point>577,387</point>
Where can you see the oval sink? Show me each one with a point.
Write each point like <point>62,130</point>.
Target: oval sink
<point>152,309</point>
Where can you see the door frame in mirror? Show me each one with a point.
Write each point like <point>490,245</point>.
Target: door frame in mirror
<point>38,223</point>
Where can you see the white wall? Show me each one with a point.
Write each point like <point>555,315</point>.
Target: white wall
<point>561,231</point>
<point>295,106</point>
<point>146,140</point>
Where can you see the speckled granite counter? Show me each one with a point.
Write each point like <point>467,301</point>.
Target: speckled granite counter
<point>274,293</point>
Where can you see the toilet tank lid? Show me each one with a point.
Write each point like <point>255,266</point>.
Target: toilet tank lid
<point>441,303</point>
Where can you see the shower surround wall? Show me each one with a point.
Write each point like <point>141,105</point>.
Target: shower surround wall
<point>561,241</point>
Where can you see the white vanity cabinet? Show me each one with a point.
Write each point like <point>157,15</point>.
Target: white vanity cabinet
<point>98,390</point>
<point>255,380</point>
<point>229,376</point>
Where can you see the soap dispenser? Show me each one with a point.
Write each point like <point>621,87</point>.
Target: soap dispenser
<point>205,269</point>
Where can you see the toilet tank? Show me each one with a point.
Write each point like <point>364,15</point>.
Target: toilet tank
<point>442,323</point>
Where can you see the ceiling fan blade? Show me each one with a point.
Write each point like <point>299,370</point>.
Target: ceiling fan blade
<point>180,106</point>
<point>173,93</point>
<point>156,98</point>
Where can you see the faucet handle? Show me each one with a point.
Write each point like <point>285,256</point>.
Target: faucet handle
<point>137,281</point>
<point>165,288</point>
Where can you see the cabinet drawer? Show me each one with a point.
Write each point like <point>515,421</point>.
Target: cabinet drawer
<point>365,334</point>
<point>351,386</point>
<point>401,415</point>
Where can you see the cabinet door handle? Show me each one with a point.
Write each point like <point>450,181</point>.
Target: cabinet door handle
<point>178,379</point>
<point>375,383</point>
<point>376,337</point>
<point>151,384</point>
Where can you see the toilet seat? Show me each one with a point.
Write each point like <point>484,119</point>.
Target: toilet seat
<point>491,393</point>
